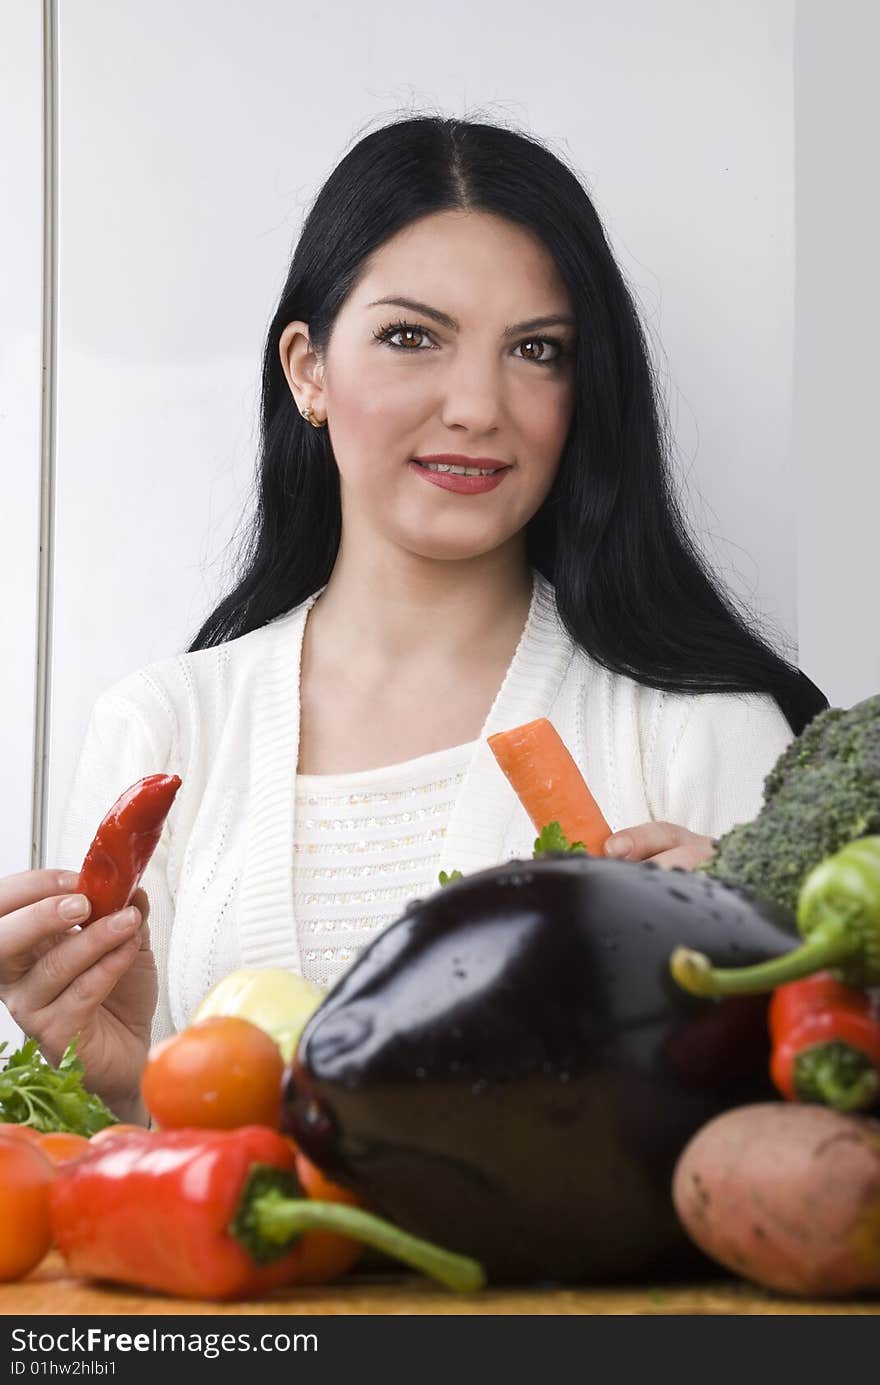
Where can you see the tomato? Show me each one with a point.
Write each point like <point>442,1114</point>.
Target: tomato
<point>324,1254</point>
<point>121,1128</point>
<point>62,1145</point>
<point>21,1132</point>
<point>26,1175</point>
<point>220,1073</point>
<point>318,1186</point>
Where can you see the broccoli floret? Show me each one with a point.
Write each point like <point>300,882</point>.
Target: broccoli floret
<point>823,792</point>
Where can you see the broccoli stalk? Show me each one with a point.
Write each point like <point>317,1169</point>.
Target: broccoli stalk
<point>823,792</point>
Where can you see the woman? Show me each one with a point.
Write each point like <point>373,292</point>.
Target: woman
<point>464,523</point>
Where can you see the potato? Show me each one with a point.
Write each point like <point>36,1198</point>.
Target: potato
<point>787,1196</point>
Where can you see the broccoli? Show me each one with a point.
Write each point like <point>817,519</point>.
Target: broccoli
<point>823,792</point>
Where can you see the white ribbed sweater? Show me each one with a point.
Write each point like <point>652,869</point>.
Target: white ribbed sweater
<point>366,844</point>
<point>227,720</point>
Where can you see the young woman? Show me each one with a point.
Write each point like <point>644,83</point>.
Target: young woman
<point>464,522</point>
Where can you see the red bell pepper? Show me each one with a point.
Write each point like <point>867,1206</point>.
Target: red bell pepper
<point>826,1043</point>
<point>124,843</point>
<point>216,1214</point>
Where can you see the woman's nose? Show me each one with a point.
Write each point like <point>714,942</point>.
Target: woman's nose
<point>473,396</point>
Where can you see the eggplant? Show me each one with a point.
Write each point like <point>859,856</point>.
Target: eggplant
<point>510,1070</point>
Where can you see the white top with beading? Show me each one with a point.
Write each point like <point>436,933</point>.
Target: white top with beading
<point>367,844</point>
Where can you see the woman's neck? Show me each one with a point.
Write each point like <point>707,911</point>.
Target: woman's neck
<point>403,659</point>
<point>399,607</point>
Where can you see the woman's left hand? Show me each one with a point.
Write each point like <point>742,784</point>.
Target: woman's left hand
<point>664,843</point>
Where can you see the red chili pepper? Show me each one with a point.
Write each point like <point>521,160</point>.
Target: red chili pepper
<point>826,1043</point>
<point>124,843</point>
<point>217,1214</point>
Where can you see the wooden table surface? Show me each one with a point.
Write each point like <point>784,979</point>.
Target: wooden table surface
<point>48,1290</point>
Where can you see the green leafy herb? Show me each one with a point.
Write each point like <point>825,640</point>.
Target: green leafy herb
<point>451,878</point>
<point>34,1093</point>
<point>553,838</point>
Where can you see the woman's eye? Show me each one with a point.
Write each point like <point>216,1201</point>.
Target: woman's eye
<point>406,336</point>
<point>543,350</point>
<point>411,336</point>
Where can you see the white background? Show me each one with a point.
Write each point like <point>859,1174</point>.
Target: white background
<point>728,147</point>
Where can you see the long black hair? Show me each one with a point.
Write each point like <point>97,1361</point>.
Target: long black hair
<point>631,586</point>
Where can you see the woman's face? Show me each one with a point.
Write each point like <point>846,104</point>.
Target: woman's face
<point>470,371</point>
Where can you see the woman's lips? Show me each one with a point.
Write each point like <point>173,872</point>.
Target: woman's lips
<point>463,485</point>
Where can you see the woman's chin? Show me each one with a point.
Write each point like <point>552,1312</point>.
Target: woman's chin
<point>458,541</point>
<point>452,550</point>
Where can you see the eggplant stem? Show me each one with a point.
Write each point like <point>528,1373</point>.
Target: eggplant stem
<point>826,948</point>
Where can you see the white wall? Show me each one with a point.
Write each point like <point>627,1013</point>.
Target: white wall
<point>837,360</point>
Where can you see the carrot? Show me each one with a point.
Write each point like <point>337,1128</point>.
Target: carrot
<point>548,783</point>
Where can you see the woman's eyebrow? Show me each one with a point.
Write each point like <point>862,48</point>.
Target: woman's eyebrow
<point>533,323</point>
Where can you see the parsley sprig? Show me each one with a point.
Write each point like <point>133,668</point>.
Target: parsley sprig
<point>450,878</point>
<point>34,1093</point>
<point>551,838</point>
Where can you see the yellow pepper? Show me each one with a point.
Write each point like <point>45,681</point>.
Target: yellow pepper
<point>278,1001</point>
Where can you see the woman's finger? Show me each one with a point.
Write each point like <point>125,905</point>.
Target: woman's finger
<point>75,1007</point>
<point>29,932</point>
<point>72,957</point>
<point>669,860</point>
<point>686,857</point>
<point>30,886</point>
<point>141,903</point>
<point>645,841</point>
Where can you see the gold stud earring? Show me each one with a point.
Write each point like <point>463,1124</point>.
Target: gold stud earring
<point>310,417</point>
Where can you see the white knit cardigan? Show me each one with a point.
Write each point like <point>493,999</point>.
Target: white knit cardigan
<point>226,719</point>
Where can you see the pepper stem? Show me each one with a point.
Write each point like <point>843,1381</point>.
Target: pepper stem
<point>272,1215</point>
<point>837,1075</point>
<point>828,946</point>
<point>281,1218</point>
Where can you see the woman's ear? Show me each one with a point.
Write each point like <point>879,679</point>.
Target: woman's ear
<point>303,369</point>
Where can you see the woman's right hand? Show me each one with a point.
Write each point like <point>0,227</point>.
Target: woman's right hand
<point>98,983</point>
